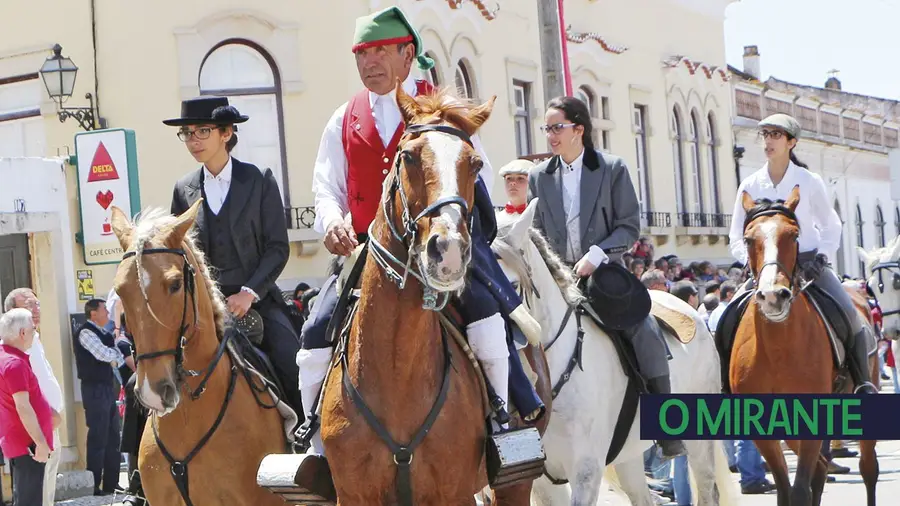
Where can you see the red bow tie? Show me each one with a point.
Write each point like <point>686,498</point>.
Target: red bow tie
<point>511,209</point>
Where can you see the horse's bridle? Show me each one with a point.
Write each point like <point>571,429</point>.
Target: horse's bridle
<point>189,280</point>
<point>407,237</point>
<point>795,276</point>
<point>892,267</point>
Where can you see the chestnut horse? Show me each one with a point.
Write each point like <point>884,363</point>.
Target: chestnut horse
<point>219,433</point>
<point>780,325</point>
<point>397,370</point>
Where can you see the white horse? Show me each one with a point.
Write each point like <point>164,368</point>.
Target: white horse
<point>586,409</point>
<point>883,277</point>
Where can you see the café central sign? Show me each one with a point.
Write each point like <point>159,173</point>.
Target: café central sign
<point>107,176</point>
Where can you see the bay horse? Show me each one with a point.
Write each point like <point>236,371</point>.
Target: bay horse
<point>402,418</point>
<point>204,447</point>
<point>780,324</point>
<point>586,409</point>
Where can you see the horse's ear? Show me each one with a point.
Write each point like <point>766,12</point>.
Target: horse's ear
<point>747,201</point>
<point>409,108</point>
<point>185,222</point>
<point>864,256</point>
<point>121,226</point>
<point>518,234</point>
<point>479,115</point>
<point>793,198</point>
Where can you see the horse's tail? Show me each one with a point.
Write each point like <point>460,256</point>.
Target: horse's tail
<point>728,493</point>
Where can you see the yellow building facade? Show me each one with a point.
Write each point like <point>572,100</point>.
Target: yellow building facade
<point>652,71</point>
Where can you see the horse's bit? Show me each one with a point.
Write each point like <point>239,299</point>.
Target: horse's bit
<point>385,258</point>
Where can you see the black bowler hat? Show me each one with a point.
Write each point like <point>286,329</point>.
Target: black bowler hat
<point>618,296</point>
<point>207,110</point>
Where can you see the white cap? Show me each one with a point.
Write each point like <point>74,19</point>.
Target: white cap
<point>518,166</point>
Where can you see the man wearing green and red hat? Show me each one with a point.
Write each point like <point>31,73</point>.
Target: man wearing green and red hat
<point>355,155</point>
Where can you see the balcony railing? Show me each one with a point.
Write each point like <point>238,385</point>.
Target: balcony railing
<point>660,220</point>
<point>703,220</point>
<point>300,217</point>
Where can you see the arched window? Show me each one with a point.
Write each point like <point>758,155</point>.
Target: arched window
<point>840,267</point>
<point>696,179</point>
<point>859,238</point>
<point>879,227</point>
<point>712,139</point>
<point>247,75</point>
<point>432,74</point>
<point>678,154</point>
<point>463,80</point>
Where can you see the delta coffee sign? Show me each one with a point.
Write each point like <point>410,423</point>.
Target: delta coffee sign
<point>107,176</point>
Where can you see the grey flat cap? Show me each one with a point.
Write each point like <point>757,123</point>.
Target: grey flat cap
<point>783,122</point>
<point>519,166</point>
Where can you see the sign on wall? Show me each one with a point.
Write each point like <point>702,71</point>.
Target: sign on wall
<point>85,284</point>
<point>107,176</point>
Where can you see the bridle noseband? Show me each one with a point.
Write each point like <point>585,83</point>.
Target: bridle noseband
<point>407,237</point>
<point>189,280</point>
<point>795,277</point>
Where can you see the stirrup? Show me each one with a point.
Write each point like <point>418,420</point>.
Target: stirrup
<point>864,385</point>
<point>304,434</point>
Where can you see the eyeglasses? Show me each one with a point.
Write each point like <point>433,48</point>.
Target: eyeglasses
<point>774,134</point>
<point>201,133</point>
<point>557,128</point>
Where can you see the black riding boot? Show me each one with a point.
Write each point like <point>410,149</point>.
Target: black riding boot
<point>671,448</point>
<point>858,364</point>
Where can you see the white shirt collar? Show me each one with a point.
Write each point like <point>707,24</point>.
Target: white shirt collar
<point>787,178</point>
<point>574,166</point>
<point>409,86</point>
<point>224,176</point>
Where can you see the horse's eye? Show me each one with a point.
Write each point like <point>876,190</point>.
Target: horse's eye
<point>175,286</point>
<point>407,157</point>
<point>748,241</point>
<point>477,165</point>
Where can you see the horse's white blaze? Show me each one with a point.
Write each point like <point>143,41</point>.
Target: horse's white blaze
<point>145,279</point>
<point>770,257</point>
<point>447,149</point>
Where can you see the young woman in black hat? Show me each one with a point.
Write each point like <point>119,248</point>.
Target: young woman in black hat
<point>588,211</point>
<point>241,227</point>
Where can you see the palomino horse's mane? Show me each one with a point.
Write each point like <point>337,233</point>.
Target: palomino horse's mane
<point>770,207</point>
<point>562,274</point>
<point>152,222</point>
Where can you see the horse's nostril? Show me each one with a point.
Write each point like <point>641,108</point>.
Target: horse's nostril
<point>784,293</point>
<point>436,248</point>
<point>167,392</point>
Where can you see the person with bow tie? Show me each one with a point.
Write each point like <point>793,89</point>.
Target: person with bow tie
<point>515,181</point>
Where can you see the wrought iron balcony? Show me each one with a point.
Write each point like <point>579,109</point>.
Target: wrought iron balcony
<point>299,218</point>
<point>704,220</point>
<point>660,220</point>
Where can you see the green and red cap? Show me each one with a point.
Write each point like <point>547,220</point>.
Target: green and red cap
<point>388,26</point>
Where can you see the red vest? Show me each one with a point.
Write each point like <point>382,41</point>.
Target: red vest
<point>368,160</point>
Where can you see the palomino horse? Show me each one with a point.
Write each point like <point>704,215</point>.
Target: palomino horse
<point>883,278</point>
<point>383,438</point>
<point>780,324</point>
<point>586,409</point>
<point>205,447</point>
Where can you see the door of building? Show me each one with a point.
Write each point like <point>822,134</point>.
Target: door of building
<point>14,271</point>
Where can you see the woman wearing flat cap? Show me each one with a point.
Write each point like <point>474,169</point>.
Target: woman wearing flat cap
<point>241,227</point>
<point>820,226</point>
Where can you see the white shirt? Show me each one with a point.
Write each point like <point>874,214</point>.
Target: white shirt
<point>46,380</point>
<point>713,322</point>
<point>330,171</point>
<point>820,225</point>
<point>216,187</point>
<point>571,182</point>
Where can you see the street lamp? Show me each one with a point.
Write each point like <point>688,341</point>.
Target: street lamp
<point>58,73</point>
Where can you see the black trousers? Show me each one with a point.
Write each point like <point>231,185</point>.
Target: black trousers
<point>102,417</point>
<point>281,344</point>
<point>28,481</point>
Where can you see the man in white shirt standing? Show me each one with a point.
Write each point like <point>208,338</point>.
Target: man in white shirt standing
<point>25,298</point>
